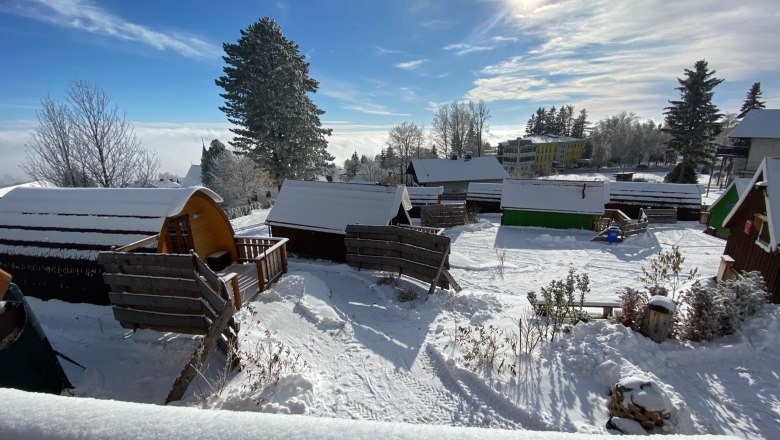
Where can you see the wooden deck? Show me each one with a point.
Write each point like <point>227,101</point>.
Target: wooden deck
<point>246,274</point>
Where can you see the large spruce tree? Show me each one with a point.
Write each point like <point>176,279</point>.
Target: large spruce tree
<point>692,121</point>
<point>752,101</point>
<point>266,85</point>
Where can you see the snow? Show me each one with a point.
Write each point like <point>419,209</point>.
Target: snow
<point>664,302</point>
<point>193,177</point>
<point>379,367</point>
<point>29,416</point>
<point>330,207</point>
<point>644,393</point>
<point>683,195</point>
<point>424,195</point>
<point>489,192</point>
<point>34,184</point>
<point>568,196</point>
<point>461,170</point>
<point>130,202</point>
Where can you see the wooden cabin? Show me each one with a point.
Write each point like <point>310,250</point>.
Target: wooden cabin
<point>560,204</point>
<point>754,241</point>
<point>630,197</point>
<point>724,204</point>
<point>50,237</point>
<point>314,215</point>
<point>484,197</point>
<point>421,196</point>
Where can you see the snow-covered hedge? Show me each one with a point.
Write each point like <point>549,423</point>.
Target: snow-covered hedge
<point>712,312</point>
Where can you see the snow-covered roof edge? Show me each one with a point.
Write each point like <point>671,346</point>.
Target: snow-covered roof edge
<point>768,171</point>
<point>741,184</point>
<point>759,123</point>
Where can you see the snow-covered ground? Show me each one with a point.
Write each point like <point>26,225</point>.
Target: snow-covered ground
<point>366,355</point>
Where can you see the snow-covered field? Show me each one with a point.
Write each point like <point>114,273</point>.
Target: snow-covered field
<point>370,356</point>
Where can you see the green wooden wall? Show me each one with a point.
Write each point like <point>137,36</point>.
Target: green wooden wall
<point>720,210</point>
<point>516,217</point>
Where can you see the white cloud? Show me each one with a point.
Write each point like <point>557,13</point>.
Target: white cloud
<point>88,17</point>
<point>503,39</point>
<point>374,109</point>
<point>626,55</point>
<point>384,51</point>
<point>410,65</point>
<point>463,49</point>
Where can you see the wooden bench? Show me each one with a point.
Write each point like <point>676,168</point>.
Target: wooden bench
<point>658,215</point>
<point>606,305</point>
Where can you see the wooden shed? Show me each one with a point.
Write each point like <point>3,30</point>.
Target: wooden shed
<point>724,204</point>
<point>484,197</point>
<point>754,241</point>
<point>314,215</point>
<point>50,237</point>
<point>560,204</point>
<point>630,197</point>
<point>455,174</point>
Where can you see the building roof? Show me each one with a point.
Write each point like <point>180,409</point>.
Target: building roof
<point>563,196</point>
<point>85,220</point>
<point>424,195</point>
<point>655,194</point>
<point>34,184</point>
<point>193,177</point>
<point>330,207</point>
<point>550,139</point>
<point>460,170</point>
<point>758,123</point>
<point>485,192</point>
<point>741,184</point>
<point>768,174</point>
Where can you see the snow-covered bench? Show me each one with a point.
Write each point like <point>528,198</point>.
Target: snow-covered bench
<point>606,305</point>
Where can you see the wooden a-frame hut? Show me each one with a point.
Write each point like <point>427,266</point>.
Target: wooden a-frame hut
<point>754,241</point>
<point>50,237</point>
<point>314,215</point>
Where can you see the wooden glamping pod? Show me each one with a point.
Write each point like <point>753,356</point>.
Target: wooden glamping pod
<point>314,215</point>
<point>560,204</point>
<point>50,237</point>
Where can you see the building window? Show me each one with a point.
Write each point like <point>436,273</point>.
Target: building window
<point>762,240</point>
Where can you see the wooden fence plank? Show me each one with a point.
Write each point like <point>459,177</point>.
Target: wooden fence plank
<point>146,282</point>
<point>183,304</point>
<point>136,259</point>
<point>212,298</point>
<point>148,318</point>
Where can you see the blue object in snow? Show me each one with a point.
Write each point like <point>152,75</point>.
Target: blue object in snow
<point>612,234</point>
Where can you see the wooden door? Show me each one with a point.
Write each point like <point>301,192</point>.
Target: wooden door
<point>179,235</point>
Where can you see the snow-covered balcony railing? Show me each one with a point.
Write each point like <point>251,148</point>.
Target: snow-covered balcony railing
<point>269,255</point>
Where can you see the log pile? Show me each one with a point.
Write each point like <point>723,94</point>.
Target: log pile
<point>623,406</point>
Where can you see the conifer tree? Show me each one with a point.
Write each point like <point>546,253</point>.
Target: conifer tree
<point>207,157</point>
<point>267,86</point>
<point>752,101</point>
<point>692,121</point>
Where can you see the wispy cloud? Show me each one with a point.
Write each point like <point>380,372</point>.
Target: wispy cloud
<point>410,65</point>
<point>374,109</point>
<point>626,56</point>
<point>85,16</point>
<point>384,51</point>
<point>463,49</point>
<point>503,39</point>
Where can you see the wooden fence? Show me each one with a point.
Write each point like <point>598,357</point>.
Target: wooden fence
<point>661,215</point>
<point>444,216</point>
<point>627,227</point>
<point>167,292</point>
<point>421,254</point>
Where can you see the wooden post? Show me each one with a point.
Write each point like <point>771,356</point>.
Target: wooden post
<point>441,268</point>
<point>283,253</point>
<point>201,353</point>
<point>657,323</point>
<point>260,276</point>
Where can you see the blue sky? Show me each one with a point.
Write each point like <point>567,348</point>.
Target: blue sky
<point>379,63</point>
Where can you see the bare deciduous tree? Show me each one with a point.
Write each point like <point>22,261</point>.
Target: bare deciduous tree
<point>87,142</point>
<point>406,139</point>
<point>480,114</point>
<point>237,179</point>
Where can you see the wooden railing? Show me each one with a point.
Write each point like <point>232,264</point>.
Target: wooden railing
<point>426,229</point>
<point>443,216</point>
<point>269,255</point>
<point>139,244</point>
